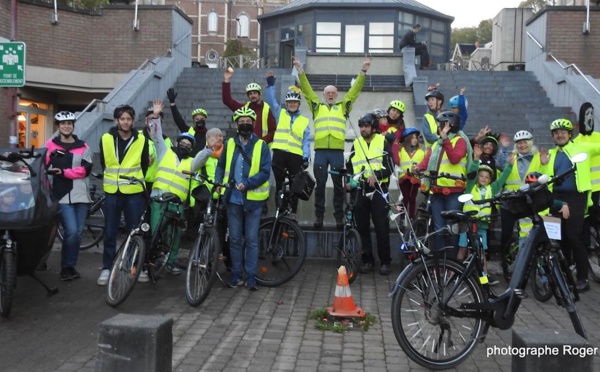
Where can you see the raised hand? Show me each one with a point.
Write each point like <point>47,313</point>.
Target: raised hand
<point>270,78</point>
<point>477,151</point>
<point>157,106</point>
<point>366,63</point>
<point>228,74</point>
<point>297,64</point>
<point>171,95</point>
<point>544,159</point>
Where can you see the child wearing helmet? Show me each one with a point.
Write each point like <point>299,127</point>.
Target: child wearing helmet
<point>410,154</point>
<point>172,161</point>
<point>458,104</point>
<point>434,99</point>
<point>291,143</point>
<point>265,123</point>
<point>482,187</point>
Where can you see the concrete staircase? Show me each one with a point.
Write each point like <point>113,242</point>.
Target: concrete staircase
<point>507,101</point>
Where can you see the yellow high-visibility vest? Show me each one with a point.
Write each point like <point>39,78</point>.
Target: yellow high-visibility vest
<point>131,166</point>
<point>289,137</point>
<point>260,193</point>
<point>447,167</point>
<point>374,154</point>
<point>330,126</point>
<point>170,177</point>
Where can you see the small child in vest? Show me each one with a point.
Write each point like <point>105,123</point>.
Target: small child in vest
<point>409,154</point>
<point>482,187</point>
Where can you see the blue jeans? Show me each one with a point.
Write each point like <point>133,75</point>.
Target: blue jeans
<point>440,203</point>
<point>72,219</point>
<point>132,206</point>
<point>333,159</point>
<point>244,221</point>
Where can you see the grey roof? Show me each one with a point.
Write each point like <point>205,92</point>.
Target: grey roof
<point>466,49</point>
<point>410,5</point>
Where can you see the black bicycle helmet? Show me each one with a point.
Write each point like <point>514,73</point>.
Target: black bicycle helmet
<point>451,117</point>
<point>370,119</point>
<point>435,93</point>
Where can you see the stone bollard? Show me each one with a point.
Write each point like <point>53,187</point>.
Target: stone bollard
<point>536,350</point>
<point>128,342</point>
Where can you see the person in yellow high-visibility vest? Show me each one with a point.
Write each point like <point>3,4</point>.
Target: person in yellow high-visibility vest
<point>372,155</point>
<point>291,144</point>
<point>574,190</point>
<point>172,161</point>
<point>123,152</point>
<point>409,154</point>
<point>244,165</point>
<point>429,128</point>
<point>329,119</point>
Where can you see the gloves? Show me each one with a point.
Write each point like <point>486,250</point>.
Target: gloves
<point>390,137</point>
<point>270,81</point>
<point>304,163</point>
<point>171,94</point>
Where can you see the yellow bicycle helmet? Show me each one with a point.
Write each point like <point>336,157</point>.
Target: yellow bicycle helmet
<point>561,124</point>
<point>398,105</point>
<point>253,87</point>
<point>244,112</point>
<point>200,111</point>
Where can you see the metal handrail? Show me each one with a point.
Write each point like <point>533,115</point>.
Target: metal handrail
<point>181,39</point>
<point>94,101</point>
<point>574,66</point>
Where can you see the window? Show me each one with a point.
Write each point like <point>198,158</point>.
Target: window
<point>213,21</point>
<point>243,25</point>
<point>354,39</point>
<point>381,37</point>
<point>329,39</point>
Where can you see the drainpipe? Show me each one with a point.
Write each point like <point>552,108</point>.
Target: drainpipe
<point>12,92</point>
<point>586,25</point>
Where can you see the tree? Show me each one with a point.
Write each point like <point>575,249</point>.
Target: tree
<point>469,35</point>
<point>536,5</point>
<point>234,48</point>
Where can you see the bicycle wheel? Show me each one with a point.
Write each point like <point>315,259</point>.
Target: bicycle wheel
<point>202,267</point>
<point>427,332</point>
<point>93,231</point>
<point>568,303</point>
<point>540,281</point>
<point>8,281</point>
<point>350,255</point>
<point>162,246</point>
<point>281,251</point>
<point>125,270</point>
<point>594,254</point>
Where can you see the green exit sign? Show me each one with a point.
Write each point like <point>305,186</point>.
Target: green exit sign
<point>12,64</point>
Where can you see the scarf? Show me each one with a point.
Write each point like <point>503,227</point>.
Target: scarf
<point>217,149</point>
<point>436,151</point>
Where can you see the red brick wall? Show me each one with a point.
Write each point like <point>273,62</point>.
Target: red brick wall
<point>566,41</point>
<point>90,43</point>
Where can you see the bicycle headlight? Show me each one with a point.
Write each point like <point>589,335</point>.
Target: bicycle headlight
<point>145,227</point>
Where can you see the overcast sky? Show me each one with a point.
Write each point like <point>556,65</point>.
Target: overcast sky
<point>468,13</point>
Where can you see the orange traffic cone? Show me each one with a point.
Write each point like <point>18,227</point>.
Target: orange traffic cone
<point>343,303</point>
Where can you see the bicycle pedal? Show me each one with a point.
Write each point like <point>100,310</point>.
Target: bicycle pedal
<point>521,294</point>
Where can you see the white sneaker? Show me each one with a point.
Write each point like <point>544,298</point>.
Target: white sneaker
<point>143,278</point>
<point>103,278</point>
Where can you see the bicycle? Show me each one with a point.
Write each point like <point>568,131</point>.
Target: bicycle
<point>29,225</point>
<point>134,256</point>
<point>281,244</point>
<point>441,309</point>
<point>349,247</point>
<point>93,231</point>
<point>204,256</point>
<point>539,282</point>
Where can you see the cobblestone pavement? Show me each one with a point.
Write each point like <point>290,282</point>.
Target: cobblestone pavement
<point>237,330</point>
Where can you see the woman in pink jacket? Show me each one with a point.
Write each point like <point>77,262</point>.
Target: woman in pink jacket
<point>69,160</point>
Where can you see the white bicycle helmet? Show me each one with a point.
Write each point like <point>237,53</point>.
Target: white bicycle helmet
<point>523,135</point>
<point>64,116</point>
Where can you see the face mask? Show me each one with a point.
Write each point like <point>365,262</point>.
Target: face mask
<point>200,123</point>
<point>184,150</point>
<point>245,130</point>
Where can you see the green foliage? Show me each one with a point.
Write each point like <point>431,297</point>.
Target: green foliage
<point>327,323</point>
<point>536,5</point>
<point>84,4</point>
<point>469,35</point>
<point>233,50</point>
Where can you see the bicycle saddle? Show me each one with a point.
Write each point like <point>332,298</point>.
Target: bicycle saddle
<point>458,215</point>
<point>168,197</point>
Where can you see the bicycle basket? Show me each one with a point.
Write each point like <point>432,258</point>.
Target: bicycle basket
<point>25,199</point>
<point>303,185</point>
<point>542,200</point>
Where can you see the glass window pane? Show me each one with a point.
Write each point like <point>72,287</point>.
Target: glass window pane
<point>270,36</point>
<point>243,26</point>
<point>380,28</point>
<point>437,25</point>
<point>327,50</point>
<point>287,33</point>
<point>324,41</point>
<point>334,28</point>
<point>437,38</point>
<point>374,51</point>
<point>212,21</point>
<point>381,42</point>
<point>354,39</point>
<point>406,18</point>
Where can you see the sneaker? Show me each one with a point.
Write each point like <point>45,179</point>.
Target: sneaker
<point>366,268</point>
<point>65,274</point>
<point>74,273</point>
<point>318,222</point>
<point>143,278</point>
<point>234,282</point>
<point>582,285</point>
<point>173,269</point>
<point>492,280</point>
<point>251,285</point>
<point>339,224</point>
<point>385,270</point>
<point>103,278</point>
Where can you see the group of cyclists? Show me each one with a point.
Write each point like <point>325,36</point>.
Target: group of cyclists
<point>276,137</point>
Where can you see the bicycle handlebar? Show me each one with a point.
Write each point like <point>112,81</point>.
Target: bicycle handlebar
<point>435,175</point>
<point>199,176</point>
<point>21,156</point>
